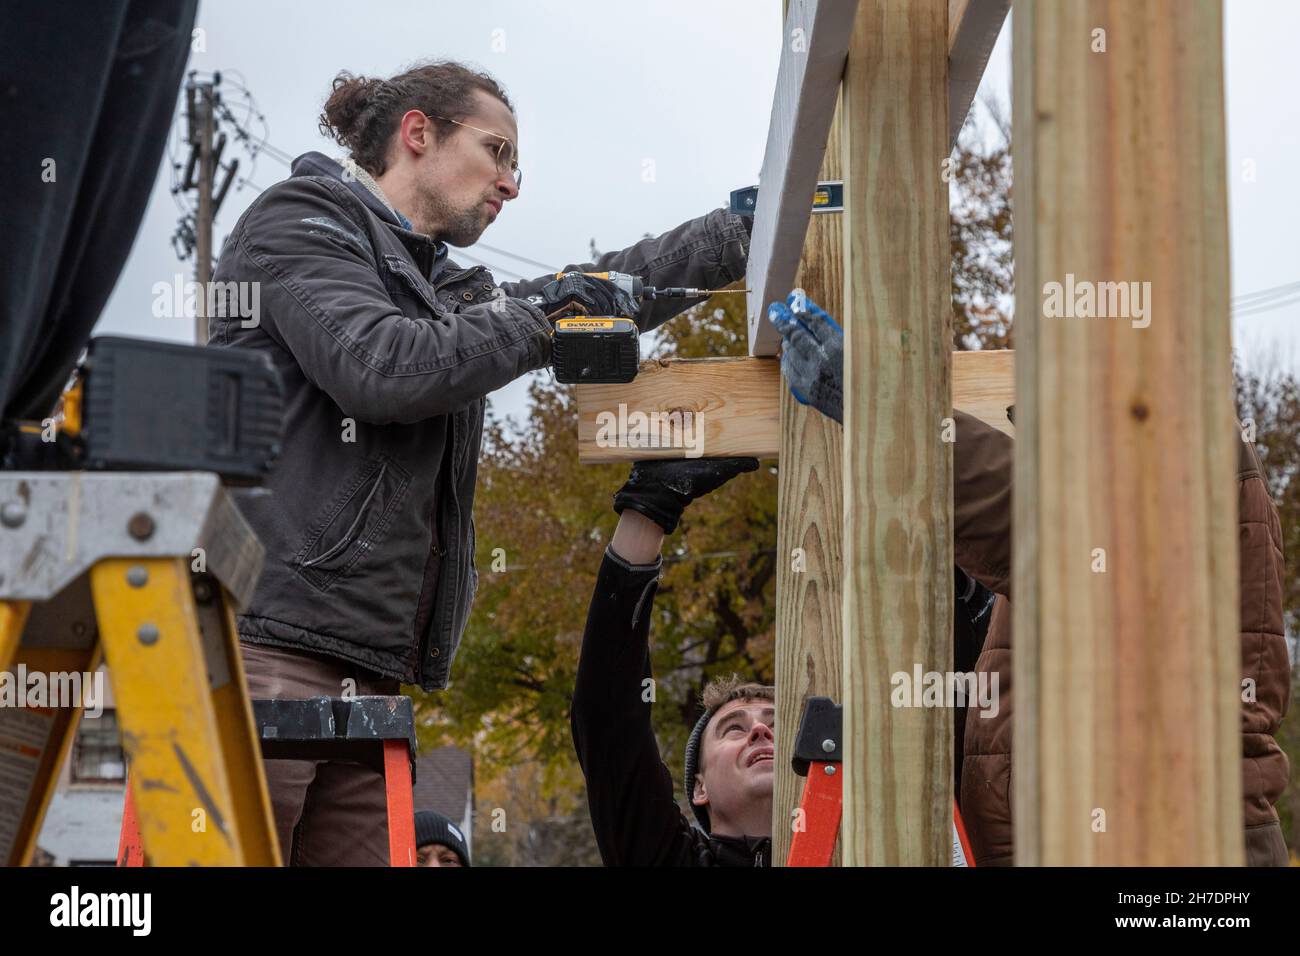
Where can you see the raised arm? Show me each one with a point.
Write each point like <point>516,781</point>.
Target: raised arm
<point>629,790</point>
<point>705,253</point>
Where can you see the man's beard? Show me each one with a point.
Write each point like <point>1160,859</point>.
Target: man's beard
<point>460,227</point>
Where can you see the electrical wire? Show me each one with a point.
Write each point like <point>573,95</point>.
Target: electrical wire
<point>478,261</point>
<point>1266,300</point>
<point>531,262</point>
<point>1267,307</point>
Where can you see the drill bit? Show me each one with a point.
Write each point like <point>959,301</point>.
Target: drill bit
<point>677,292</point>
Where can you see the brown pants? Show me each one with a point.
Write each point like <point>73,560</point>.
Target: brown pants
<point>326,813</point>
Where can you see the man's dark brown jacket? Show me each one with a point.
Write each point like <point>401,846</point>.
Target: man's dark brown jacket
<point>982,529</point>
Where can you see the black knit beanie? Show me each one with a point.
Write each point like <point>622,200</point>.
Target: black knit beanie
<point>432,827</point>
<point>693,766</point>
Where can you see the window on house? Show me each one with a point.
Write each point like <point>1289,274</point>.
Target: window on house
<point>97,751</point>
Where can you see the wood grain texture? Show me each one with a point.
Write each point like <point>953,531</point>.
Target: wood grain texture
<point>984,384</point>
<point>814,47</point>
<point>1127,680</point>
<point>740,400</point>
<point>809,530</point>
<point>734,401</point>
<point>897,468</point>
<point>973,28</point>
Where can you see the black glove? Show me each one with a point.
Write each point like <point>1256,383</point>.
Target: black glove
<point>661,489</point>
<point>578,294</point>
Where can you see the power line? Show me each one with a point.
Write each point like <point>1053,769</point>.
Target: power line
<point>478,261</point>
<point>1249,298</point>
<point>1266,307</point>
<point>504,252</point>
<point>1266,300</point>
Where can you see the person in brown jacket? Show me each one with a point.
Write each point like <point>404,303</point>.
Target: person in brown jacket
<point>812,361</point>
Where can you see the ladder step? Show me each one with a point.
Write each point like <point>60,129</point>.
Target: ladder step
<point>334,728</point>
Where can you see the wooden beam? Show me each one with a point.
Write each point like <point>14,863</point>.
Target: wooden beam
<point>812,62</point>
<point>809,532</point>
<point>725,406</point>
<point>737,403</point>
<point>814,44</point>
<point>1127,662</point>
<point>897,467</point>
<point>973,28</point>
<point>984,384</point>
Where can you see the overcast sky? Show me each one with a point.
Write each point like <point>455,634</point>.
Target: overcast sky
<point>634,117</point>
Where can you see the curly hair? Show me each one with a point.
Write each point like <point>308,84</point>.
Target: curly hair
<point>362,113</point>
<point>723,690</point>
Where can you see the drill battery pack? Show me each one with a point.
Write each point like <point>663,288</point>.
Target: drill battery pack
<point>595,349</point>
<point>163,406</point>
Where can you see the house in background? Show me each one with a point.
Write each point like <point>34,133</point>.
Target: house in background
<point>444,781</point>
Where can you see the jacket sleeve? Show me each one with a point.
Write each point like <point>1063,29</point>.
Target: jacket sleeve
<point>705,253</point>
<point>1264,660</point>
<point>629,790</point>
<point>324,299</point>
<point>981,491</point>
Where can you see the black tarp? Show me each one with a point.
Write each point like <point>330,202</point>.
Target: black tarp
<point>92,86</point>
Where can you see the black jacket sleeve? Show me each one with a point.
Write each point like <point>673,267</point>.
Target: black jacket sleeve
<point>705,253</point>
<point>629,790</point>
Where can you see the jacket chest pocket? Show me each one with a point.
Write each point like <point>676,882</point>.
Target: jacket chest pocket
<point>409,290</point>
<point>354,524</point>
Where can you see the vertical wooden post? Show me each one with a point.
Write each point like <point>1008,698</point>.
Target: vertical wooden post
<point>897,470</point>
<point>810,508</point>
<point>1126,667</point>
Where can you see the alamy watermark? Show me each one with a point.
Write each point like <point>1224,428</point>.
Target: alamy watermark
<point>181,299</point>
<point>945,689</point>
<point>75,908</point>
<point>38,689</point>
<point>676,429</point>
<point>1083,299</point>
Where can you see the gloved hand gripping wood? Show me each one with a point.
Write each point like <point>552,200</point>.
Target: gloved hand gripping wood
<point>812,356</point>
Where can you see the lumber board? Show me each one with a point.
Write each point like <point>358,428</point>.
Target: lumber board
<point>1127,745</point>
<point>737,403</point>
<point>809,532</point>
<point>897,467</point>
<point>973,28</point>
<point>815,44</point>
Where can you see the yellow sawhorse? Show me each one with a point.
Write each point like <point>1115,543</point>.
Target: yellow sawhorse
<point>141,571</point>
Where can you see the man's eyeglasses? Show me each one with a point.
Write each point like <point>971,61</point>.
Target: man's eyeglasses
<point>507,153</point>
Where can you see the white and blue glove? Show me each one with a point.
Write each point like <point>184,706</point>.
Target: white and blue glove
<point>812,357</point>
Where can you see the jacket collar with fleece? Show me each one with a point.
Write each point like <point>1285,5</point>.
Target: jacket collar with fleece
<point>430,253</point>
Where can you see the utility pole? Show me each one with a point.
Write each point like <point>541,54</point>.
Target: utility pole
<point>202,101</point>
<point>203,124</point>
